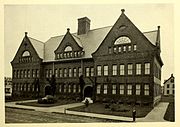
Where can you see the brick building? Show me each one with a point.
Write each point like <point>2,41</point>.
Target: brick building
<point>117,62</point>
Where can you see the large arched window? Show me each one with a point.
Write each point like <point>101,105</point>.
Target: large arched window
<point>26,53</point>
<point>122,40</point>
<point>68,48</point>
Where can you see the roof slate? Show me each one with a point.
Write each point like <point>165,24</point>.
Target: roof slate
<point>89,42</point>
<point>38,46</point>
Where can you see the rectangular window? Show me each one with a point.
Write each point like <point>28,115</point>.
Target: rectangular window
<point>28,73</point>
<point>25,74</point>
<point>69,89</point>
<point>56,73</point>
<point>74,88</point>
<point>138,69</point>
<point>109,50</point>
<point>147,68</point>
<point>124,48</point>
<point>65,88</point>
<point>129,48</point>
<point>121,69</point>
<point>130,69</point>
<point>105,70</point>
<point>98,89</point>
<point>70,72</point>
<point>146,89</point>
<point>60,88</point>
<point>74,72</point>
<point>80,71</point>
<point>105,89</point>
<point>65,72</point>
<point>115,49</point>
<point>87,71</point>
<point>121,89</point>
<point>114,89</point>
<point>119,49</point>
<point>60,73</point>
<point>50,73</point>
<point>34,73</point>
<point>22,74</point>
<point>18,74</point>
<point>114,70</point>
<point>98,70</point>
<point>37,73</point>
<point>92,71</point>
<point>129,90</point>
<point>138,89</point>
<point>167,85</point>
<point>29,87</point>
<point>167,91</point>
<point>135,48</point>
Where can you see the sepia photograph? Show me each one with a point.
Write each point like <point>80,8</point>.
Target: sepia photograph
<point>89,63</point>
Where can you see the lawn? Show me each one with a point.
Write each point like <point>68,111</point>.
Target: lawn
<point>114,109</point>
<point>59,102</point>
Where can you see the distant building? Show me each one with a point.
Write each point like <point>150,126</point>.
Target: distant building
<point>169,87</point>
<point>117,62</point>
<point>8,86</point>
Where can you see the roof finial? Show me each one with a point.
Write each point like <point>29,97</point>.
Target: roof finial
<point>26,33</point>
<point>68,29</point>
<point>158,27</point>
<point>122,10</point>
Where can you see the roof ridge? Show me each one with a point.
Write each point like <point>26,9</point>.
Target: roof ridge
<point>36,40</point>
<point>150,31</point>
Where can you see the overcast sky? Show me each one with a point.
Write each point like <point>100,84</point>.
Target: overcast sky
<point>44,21</point>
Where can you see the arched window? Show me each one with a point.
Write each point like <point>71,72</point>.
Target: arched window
<point>122,40</point>
<point>68,48</point>
<point>26,53</point>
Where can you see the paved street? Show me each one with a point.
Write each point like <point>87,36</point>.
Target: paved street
<point>13,115</point>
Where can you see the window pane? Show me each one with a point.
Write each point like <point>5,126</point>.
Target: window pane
<point>70,72</point>
<point>105,70</point>
<point>121,69</point>
<point>114,70</point>
<point>105,89</point>
<point>113,89</point>
<point>138,89</point>
<point>80,71</point>
<point>98,70</point>
<point>74,72</point>
<point>92,71</point>
<point>146,89</point>
<point>87,71</point>
<point>138,69</point>
<point>121,88</point>
<point>147,68</point>
<point>98,89</point>
<point>130,69</point>
<point>129,90</point>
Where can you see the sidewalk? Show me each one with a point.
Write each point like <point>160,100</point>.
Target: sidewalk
<point>156,115</point>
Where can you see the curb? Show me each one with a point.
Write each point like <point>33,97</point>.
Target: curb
<point>20,108</point>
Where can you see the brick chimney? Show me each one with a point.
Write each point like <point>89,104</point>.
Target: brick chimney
<point>83,25</point>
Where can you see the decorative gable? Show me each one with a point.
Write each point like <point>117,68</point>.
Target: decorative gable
<point>70,47</point>
<point>123,37</point>
<point>26,52</point>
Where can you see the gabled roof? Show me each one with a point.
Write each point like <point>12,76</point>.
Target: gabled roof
<point>38,46</point>
<point>89,42</point>
<point>168,78</point>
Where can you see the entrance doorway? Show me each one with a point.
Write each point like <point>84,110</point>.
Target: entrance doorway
<point>88,91</point>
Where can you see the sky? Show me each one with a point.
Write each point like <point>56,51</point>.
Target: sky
<point>45,21</point>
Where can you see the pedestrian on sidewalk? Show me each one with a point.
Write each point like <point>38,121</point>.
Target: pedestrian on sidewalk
<point>134,114</point>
